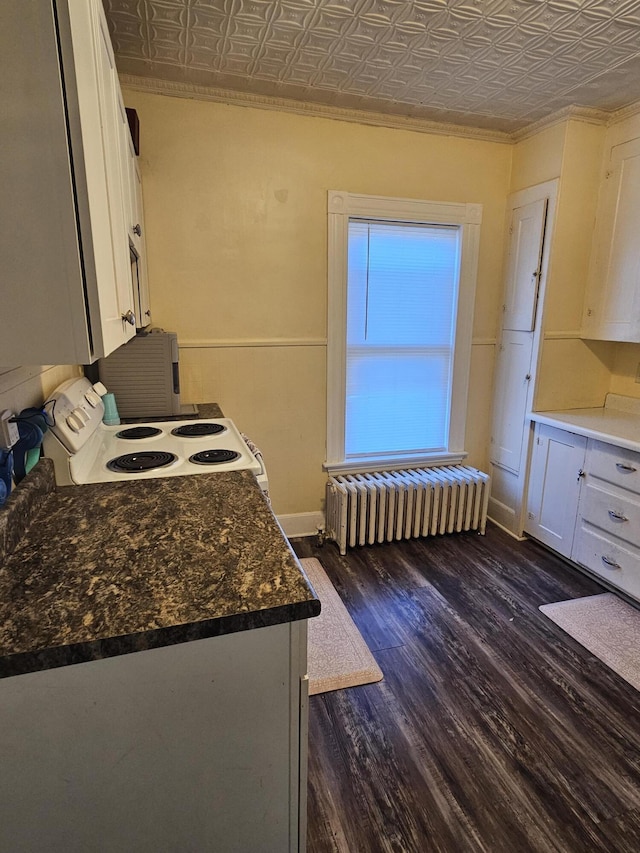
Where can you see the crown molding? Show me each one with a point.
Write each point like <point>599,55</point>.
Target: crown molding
<point>624,113</point>
<point>244,99</point>
<point>588,115</point>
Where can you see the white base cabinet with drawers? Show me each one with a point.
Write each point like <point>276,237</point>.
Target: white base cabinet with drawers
<point>584,502</point>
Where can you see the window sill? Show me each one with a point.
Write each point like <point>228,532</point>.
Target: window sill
<point>393,463</point>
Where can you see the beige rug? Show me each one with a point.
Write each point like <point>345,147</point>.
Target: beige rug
<point>607,626</point>
<point>338,655</point>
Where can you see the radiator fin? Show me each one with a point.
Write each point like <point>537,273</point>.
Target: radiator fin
<point>390,505</point>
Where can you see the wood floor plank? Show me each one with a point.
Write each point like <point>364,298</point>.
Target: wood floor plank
<point>492,729</point>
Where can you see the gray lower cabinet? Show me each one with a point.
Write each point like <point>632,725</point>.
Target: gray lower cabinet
<point>199,746</point>
<point>584,502</point>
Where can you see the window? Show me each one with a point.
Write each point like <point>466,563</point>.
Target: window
<point>401,288</point>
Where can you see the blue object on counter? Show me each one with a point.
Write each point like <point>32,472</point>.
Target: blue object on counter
<point>31,459</point>
<point>30,438</point>
<point>6,472</point>
<point>111,416</point>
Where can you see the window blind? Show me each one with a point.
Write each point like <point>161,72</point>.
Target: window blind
<point>401,316</point>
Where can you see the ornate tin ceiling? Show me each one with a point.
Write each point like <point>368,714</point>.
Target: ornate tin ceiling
<point>493,64</point>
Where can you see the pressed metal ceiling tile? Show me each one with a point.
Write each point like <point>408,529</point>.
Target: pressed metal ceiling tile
<point>497,63</point>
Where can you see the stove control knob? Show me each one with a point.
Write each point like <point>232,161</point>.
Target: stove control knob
<point>92,398</point>
<point>80,412</point>
<point>74,422</point>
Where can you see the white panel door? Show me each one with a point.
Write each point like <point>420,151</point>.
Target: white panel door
<point>554,487</point>
<point>513,380</point>
<point>98,96</point>
<point>526,232</point>
<point>612,307</point>
<point>115,331</point>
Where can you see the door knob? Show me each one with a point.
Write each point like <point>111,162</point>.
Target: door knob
<point>129,317</point>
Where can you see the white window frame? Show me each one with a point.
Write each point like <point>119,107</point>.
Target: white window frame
<point>467,217</point>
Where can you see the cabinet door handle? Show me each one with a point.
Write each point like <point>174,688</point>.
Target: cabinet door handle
<point>617,516</point>
<point>623,466</point>
<point>611,563</point>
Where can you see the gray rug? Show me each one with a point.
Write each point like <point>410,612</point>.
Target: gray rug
<point>605,625</point>
<point>338,655</point>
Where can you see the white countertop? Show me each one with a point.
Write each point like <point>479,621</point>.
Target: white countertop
<point>618,422</point>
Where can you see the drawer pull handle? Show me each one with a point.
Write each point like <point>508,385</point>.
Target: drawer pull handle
<point>611,563</point>
<point>617,516</point>
<point>628,469</point>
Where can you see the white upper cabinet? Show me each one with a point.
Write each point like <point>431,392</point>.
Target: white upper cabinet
<point>612,305</point>
<point>134,214</point>
<point>526,233</point>
<point>67,288</point>
<point>141,284</point>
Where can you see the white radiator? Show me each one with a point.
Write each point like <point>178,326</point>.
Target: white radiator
<point>380,507</point>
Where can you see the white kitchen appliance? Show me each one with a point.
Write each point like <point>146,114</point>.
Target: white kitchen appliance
<point>85,450</point>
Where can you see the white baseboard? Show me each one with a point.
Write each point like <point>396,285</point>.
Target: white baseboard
<point>513,535</point>
<point>504,518</point>
<point>301,524</point>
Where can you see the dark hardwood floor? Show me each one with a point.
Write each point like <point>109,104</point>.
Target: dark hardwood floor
<point>492,729</point>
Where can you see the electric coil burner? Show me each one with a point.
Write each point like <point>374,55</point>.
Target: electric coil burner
<point>214,457</point>
<point>85,450</point>
<point>198,429</point>
<point>139,432</point>
<point>147,460</point>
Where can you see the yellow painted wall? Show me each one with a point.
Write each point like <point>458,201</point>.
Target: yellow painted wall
<point>235,207</point>
<point>21,387</point>
<point>538,158</point>
<point>626,370</point>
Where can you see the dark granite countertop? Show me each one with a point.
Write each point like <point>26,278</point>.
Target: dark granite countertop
<point>198,410</point>
<point>209,410</point>
<point>88,572</point>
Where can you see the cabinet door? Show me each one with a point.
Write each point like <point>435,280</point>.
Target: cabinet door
<point>134,215</point>
<point>111,297</point>
<point>143,305</point>
<point>114,330</point>
<point>510,399</point>
<point>612,307</point>
<point>554,487</point>
<point>43,306</point>
<point>526,232</point>
<point>65,256</point>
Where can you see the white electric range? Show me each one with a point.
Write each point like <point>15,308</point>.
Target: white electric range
<point>85,450</point>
